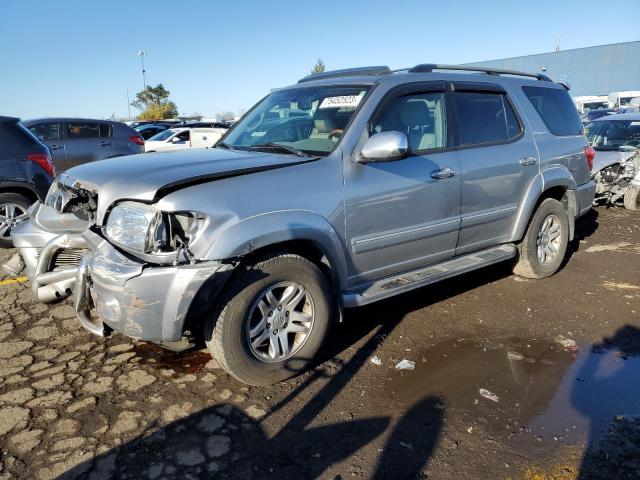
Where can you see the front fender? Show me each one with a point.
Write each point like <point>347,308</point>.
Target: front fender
<point>267,229</point>
<point>556,176</point>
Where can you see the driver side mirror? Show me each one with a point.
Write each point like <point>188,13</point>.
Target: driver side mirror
<point>385,147</point>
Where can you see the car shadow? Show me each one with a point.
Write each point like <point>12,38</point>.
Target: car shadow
<point>606,393</point>
<point>585,227</point>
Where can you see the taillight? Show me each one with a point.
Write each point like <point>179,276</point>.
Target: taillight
<point>44,161</point>
<point>137,139</point>
<point>590,154</point>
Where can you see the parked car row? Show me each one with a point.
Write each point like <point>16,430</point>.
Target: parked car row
<point>371,183</point>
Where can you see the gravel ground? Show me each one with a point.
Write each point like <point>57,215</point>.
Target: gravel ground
<point>512,379</point>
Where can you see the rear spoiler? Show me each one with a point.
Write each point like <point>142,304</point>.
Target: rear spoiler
<point>9,119</point>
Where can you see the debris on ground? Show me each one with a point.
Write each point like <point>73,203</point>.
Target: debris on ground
<point>489,395</point>
<point>567,343</point>
<point>515,356</point>
<point>406,365</point>
<point>376,360</point>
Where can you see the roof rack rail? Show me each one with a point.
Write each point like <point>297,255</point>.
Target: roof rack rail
<point>347,72</point>
<point>430,67</point>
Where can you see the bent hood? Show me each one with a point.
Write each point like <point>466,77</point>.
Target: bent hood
<point>150,176</point>
<point>604,158</point>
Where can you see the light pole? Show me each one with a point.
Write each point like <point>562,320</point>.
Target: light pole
<point>141,54</point>
<point>128,104</point>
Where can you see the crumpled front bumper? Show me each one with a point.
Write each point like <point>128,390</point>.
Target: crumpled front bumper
<point>136,299</point>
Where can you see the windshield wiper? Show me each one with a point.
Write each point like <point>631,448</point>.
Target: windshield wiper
<point>224,145</point>
<point>279,146</point>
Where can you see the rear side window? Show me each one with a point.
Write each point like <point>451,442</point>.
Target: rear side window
<point>557,110</point>
<point>105,130</point>
<point>46,131</point>
<point>485,118</point>
<point>82,130</point>
<point>421,116</point>
<point>15,138</point>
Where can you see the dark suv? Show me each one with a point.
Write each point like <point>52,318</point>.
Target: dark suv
<point>74,141</point>
<point>26,173</point>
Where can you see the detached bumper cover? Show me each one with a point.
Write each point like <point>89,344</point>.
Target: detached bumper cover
<point>133,298</point>
<point>585,195</point>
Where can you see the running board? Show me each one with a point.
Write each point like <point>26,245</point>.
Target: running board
<point>390,286</point>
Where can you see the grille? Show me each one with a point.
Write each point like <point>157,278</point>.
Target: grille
<point>69,257</point>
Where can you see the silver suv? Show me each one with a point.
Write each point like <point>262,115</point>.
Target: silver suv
<point>344,189</point>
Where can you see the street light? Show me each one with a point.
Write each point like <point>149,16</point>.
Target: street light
<point>141,54</point>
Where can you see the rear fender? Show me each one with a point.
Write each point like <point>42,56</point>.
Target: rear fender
<point>555,176</point>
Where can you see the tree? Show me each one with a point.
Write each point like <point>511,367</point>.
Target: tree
<point>154,103</point>
<point>319,67</point>
<point>225,116</point>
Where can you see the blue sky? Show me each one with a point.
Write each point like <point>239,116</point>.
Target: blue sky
<point>78,58</point>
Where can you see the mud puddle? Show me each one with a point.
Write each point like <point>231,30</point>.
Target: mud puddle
<point>525,390</point>
<point>190,361</point>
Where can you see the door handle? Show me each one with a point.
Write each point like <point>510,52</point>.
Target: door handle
<point>105,144</point>
<point>55,147</point>
<point>443,173</point>
<point>528,161</point>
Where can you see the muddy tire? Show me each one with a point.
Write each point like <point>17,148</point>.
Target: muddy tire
<point>13,206</point>
<point>272,320</point>
<point>543,248</point>
<point>632,198</point>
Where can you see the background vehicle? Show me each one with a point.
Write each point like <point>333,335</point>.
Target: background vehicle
<point>616,169</point>
<point>26,173</point>
<point>74,141</point>
<point>590,102</point>
<point>148,130</point>
<point>181,138</point>
<point>622,99</point>
<point>344,189</point>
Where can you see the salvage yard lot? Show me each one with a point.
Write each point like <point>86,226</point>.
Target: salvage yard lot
<point>559,358</point>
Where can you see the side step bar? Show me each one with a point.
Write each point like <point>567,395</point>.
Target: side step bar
<point>390,286</point>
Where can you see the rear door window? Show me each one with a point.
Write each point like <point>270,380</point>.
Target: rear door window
<point>76,130</point>
<point>557,110</point>
<point>484,117</point>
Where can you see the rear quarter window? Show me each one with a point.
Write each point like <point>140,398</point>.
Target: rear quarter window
<point>557,110</point>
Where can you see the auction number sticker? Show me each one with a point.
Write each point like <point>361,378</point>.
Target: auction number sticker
<point>342,101</point>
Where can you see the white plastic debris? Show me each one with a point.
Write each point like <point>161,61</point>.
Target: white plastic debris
<point>489,395</point>
<point>567,343</point>
<point>515,356</point>
<point>406,365</point>
<point>376,360</point>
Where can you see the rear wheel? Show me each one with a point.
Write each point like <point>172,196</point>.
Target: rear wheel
<point>632,198</point>
<point>13,210</point>
<point>272,321</point>
<point>544,245</point>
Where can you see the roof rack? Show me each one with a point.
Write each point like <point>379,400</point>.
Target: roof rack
<point>347,72</point>
<point>430,67</point>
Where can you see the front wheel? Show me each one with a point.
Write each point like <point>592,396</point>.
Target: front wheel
<point>544,245</point>
<point>272,321</point>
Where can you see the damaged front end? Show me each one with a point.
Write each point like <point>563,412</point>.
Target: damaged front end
<point>613,181</point>
<point>136,272</point>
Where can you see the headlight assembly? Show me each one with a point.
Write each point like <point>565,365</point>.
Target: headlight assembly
<point>144,229</point>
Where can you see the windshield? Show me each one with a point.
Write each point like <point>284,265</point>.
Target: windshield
<point>307,119</point>
<point>614,134</point>
<point>159,137</point>
<point>594,105</point>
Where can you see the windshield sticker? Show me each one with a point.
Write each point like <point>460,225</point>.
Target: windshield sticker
<point>342,101</point>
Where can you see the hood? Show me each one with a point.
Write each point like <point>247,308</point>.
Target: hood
<point>150,176</point>
<point>604,158</point>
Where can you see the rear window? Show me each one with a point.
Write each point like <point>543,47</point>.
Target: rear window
<point>557,110</point>
<point>15,138</point>
<point>485,118</point>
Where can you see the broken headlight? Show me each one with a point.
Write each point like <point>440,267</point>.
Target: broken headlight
<point>144,229</point>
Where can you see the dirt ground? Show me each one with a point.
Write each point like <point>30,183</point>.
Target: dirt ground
<point>513,379</point>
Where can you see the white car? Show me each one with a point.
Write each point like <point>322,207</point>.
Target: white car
<point>181,138</point>
<point>590,102</point>
<point>622,99</point>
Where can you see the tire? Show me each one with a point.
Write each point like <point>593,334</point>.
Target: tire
<point>632,198</point>
<point>550,213</point>
<point>230,333</point>
<point>17,203</point>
